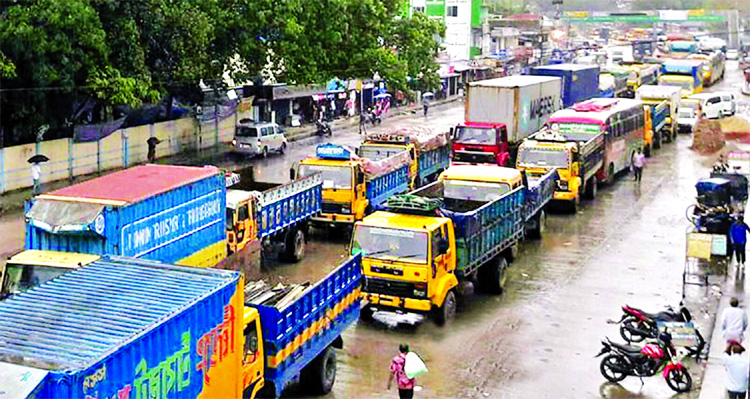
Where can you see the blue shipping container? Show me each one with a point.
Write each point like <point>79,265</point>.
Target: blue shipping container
<point>160,212</point>
<point>117,328</point>
<point>580,82</point>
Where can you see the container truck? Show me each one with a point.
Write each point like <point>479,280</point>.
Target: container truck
<point>713,66</point>
<point>685,74</point>
<point>173,214</point>
<point>500,113</point>
<point>576,157</point>
<point>434,243</point>
<point>663,116</point>
<point>275,214</point>
<point>354,186</point>
<point>161,331</point>
<point>579,82</point>
<point>429,151</point>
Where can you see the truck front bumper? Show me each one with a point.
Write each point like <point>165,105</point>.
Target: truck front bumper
<point>333,218</point>
<point>564,196</point>
<point>394,302</point>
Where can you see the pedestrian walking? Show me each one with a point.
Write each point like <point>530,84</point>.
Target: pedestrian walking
<point>36,175</point>
<point>151,143</point>
<point>737,366</point>
<point>426,107</point>
<point>397,372</point>
<point>733,322</point>
<point>639,161</point>
<point>738,236</point>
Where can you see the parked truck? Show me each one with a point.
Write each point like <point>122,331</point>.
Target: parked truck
<point>641,75</point>
<point>664,102</point>
<point>579,82</point>
<point>500,113</point>
<point>429,151</point>
<point>354,186</point>
<point>173,214</point>
<point>576,157</point>
<point>275,214</point>
<point>433,242</point>
<point>162,331</point>
<point>685,74</point>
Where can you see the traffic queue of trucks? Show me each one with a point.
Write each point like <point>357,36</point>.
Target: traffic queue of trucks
<point>664,102</point>
<point>158,331</point>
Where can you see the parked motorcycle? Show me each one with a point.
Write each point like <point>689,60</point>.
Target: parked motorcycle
<point>324,129</point>
<point>637,325</point>
<point>372,117</point>
<point>627,360</point>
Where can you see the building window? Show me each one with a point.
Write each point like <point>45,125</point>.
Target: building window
<point>452,11</point>
<point>418,9</point>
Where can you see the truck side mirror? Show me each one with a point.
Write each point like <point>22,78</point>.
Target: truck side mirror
<point>452,132</point>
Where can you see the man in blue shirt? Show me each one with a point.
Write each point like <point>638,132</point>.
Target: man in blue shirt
<point>739,239</point>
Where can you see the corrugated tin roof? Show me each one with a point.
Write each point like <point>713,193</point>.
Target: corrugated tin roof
<point>78,318</point>
<point>135,184</point>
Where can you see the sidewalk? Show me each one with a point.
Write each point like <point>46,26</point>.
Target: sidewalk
<point>712,386</point>
<point>11,202</point>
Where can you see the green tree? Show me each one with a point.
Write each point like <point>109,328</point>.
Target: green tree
<point>414,40</point>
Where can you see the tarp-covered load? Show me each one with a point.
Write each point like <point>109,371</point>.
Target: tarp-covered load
<point>378,168</point>
<point>426,139</point>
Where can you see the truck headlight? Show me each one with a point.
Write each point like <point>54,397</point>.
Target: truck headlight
<point>346,209</point>
<point>420,290</point>
<point>234,142</point>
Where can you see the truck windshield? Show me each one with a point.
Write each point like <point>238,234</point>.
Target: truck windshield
<point>545,158</point>
<point>336,177</point>
<point>20,278</point>
<point>377,153</point>
<point>686,113</point>
<point>476,135</point>
<point>473,190</point>
<point>247,132</point>
<point>390,244</point>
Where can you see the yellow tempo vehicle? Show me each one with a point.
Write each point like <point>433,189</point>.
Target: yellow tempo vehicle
<point>435,243</point>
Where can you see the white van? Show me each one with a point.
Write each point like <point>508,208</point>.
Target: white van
<point>258,138</point>
<point>716,105</point>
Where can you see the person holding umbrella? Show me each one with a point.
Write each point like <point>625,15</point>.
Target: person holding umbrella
<point>152,142</point>
<point>36,171</point>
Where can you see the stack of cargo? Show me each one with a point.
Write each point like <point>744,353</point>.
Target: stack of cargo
<point>173,214</point>
<point>260,293</point>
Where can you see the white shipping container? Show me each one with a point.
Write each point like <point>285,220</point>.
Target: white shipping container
<point>522,102</point>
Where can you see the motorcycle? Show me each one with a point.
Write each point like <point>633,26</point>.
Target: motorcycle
<point>324,129</point>
<point>627,360</point>
<point>372,117</point>
<point>637,325</point>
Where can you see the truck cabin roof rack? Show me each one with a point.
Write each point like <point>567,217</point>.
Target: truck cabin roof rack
<point>413,204</point>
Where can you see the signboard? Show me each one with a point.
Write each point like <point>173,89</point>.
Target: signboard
<point>333,151</point>
<point>719,245</point>
<point>151,233</point>
<point>683,334</point>
<point>699,245</point>
<point>739,161</point>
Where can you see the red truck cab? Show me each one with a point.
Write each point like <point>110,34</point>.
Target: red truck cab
<point>475,142</point>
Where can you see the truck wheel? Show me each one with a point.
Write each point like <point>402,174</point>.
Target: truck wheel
<point>495,275</point>
<point>295,246</point>
<point>320,374</point>
<point>540,219</point>
<point>365,314</point>
<point>590,191</point>
<point>447,311</point>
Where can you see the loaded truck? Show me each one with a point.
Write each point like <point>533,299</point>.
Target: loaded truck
<point>576,157</point>
<point>616,77</point>
<point>354,186</point>
<point>664,102</point>
<point>500,113</point>
<point>640,74</point>
<point>685,74</point>
<point>163,331</point>
<point>436,242</point>
<point>429,151</point>
<point>579,82</point>
<point>275,214</point>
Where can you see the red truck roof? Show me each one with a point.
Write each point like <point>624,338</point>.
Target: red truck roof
<point>137,183</point>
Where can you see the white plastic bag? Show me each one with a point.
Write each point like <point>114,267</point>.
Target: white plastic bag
<point>413,365</point>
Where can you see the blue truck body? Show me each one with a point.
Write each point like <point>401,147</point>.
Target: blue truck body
<point>434,161</point>
<point>659,114</point>
<point>693,68</point>
<point>115,327</point>
<point>580,82</point>
<point>538,194</point>
<point>380,187</point>
<point>332,305</point>
<point>168,226</point>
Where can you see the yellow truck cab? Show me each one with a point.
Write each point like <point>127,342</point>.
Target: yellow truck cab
<point>352,186</point>
<point>33,267</point>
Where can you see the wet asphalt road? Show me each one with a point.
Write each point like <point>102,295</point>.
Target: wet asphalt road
<point>539,338</point>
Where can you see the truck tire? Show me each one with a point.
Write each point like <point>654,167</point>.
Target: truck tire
<point>590,191</point>
<point>294,248</point>
<point>365,314</point>
<point>320,374</point>
<point>448,311</point>
<point>493,275</point>
<point>540,219</point>
<point>267,392</point>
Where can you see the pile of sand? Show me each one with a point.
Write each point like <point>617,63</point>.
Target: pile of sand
<point>736,128</point>
<point>707,137</point>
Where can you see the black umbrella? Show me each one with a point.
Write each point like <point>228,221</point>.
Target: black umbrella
<point>38,158</point>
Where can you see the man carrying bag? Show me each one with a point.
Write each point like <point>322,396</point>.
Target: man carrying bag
<point>405,368</point>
